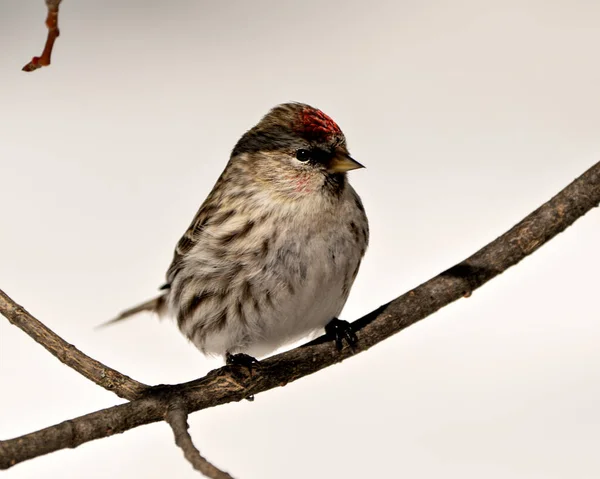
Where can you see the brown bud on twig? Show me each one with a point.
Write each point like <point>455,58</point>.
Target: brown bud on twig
<point>53,33</point>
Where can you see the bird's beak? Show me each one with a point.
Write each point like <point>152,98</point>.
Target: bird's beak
<point>342,163</point>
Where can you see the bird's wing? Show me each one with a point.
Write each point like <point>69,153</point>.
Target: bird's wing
<point>192,235</point>
<point>188,241</point>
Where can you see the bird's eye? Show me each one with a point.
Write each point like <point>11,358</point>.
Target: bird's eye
<point>303,155</point>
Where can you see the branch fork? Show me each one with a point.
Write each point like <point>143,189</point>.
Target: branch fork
<point>173,403</point>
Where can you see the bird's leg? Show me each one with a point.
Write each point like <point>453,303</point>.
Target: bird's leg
<point>241,359</point>
<point>341,330</point>
<point>244,361</point>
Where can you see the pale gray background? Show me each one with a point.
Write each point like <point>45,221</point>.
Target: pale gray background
<point>468,115</point>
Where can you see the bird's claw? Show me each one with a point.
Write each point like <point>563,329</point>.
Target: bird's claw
<point>341,330</point>
<point>242,360</point>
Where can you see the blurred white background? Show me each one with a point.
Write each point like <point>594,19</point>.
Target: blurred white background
<point>467,114</point>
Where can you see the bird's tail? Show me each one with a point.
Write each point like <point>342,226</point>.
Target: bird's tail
<point>155,305</point>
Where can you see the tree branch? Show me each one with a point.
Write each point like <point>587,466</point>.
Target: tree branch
<point>122,385</point>
<point>53,33</point>
<point>176,417</point>
<point>227,384</point>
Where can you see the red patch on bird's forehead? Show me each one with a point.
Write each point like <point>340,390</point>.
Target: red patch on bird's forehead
<point>316,124</point>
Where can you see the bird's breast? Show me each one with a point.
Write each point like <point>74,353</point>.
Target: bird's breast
<point>257,281</point>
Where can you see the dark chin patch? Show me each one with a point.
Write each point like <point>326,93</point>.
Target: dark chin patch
<point>334,183</point>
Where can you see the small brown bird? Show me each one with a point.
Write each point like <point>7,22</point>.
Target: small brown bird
<point>272,253</point>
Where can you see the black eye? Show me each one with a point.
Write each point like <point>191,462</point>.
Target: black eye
<point>303,155</point>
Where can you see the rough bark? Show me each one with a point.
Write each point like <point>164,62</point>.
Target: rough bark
<point>229,383</point>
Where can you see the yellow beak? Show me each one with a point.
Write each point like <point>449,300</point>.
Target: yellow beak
<point>342,163</point>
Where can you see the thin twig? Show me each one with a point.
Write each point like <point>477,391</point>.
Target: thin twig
<point>176,417</point>
<point>220,386</point>
<point>53,33</point>
<point>122,385</point>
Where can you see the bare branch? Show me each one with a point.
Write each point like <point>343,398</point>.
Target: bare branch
<point>222,385</point>
<point>53,33</point>
<point>176,417</point>
<point>122,385</point>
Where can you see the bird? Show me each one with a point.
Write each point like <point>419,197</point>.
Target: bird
<point>272,253</point>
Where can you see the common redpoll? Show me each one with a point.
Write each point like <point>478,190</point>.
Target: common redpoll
<point>274,249</point>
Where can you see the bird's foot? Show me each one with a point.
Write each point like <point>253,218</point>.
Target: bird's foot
<point>241,359</point>
<point>341,330</point>
<point>244,361</point>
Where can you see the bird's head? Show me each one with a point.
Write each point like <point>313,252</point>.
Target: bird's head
<point>297,149</point>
